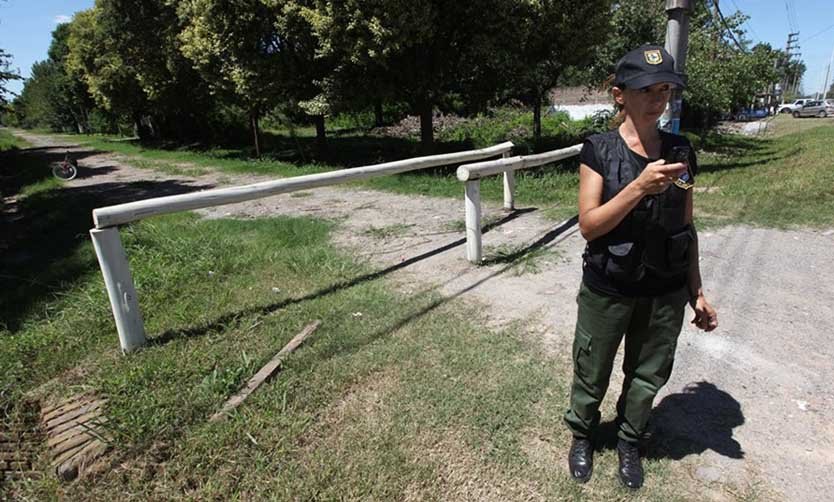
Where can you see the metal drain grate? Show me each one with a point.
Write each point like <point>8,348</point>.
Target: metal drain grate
<point>17,452</point>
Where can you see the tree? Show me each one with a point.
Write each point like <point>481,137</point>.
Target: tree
<point>553,36</point>
<point>94,59</point>
<point>50,97</point>
<point>68,97</point>
<point>424,50</point>
<point>235,45</point>
<point>144,34</point>
<point>5,75</point>
<point>631,23</point>
<point>722,75</point>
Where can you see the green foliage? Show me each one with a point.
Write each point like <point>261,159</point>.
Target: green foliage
<point>546,38</point>
<point>5,75</point>
<point>9,142</point>
<point>631,23</point>
<point>424,51</point>
<point>516,125</point>
<point>723,77</point>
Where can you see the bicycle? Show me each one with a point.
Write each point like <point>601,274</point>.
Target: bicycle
<point>67,169</point>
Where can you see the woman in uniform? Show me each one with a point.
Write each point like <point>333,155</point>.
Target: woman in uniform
<point>640,265</point>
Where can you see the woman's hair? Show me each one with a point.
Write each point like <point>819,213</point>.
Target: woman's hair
<point>619,117</point>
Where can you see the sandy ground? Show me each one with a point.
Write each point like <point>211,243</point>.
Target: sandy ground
<point>749,407</point>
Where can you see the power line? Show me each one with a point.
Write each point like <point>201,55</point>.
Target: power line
<point>726,27</point>
<point>792,20</point>
<point>818,33</point>
<point>749,26</point>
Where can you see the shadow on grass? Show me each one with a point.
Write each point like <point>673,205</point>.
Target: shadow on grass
<point>40,233</point>
<point>224,320</point>
<point>348,148</point>
<point>26,166</point>
<point>701,417</point>
<point>742,152</point>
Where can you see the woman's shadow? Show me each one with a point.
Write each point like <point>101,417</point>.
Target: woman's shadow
<point>701,417</point>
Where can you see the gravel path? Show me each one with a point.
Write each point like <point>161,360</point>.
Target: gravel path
<point>749,408</point>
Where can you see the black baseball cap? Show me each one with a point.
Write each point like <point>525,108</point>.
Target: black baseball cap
<point>647,65</point>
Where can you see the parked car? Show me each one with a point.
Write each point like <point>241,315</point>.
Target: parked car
<point>820,109</point>
<point>750,114</point>
<point>792,107</point>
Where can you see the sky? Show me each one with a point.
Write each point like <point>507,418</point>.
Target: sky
<point>26,29</point>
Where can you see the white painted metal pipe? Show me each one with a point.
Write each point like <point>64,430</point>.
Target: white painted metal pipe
<point>473,220</point>
<point>483,169</point>
<point>133,211</point>
<point>116,271</point>
<point>509,187</point>
<point>471,174</point>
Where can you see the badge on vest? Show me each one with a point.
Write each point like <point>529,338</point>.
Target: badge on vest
<point>681,154</point>
<point>685,181</point>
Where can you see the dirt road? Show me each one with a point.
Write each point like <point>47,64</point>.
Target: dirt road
<point>749,408</point>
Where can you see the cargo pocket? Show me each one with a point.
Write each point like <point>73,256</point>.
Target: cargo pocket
<point>582,354</point>
<point>624,262</point>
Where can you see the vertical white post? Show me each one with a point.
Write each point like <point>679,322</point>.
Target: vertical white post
<point>116,271</point>
<point>473,220</point>
<point>509,187</point>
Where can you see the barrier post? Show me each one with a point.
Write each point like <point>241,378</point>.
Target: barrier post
<point>509,187</point>
<point>119,283</point>
<point>473,220</point>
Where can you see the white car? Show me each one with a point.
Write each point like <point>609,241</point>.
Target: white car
<point>792,107</point>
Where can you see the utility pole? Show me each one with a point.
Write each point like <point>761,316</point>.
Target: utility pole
<point>790,46</point>
<point>827,74</point>
<point>677,43</point>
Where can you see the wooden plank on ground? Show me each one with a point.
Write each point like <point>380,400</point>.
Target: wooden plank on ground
<point>265,372</point>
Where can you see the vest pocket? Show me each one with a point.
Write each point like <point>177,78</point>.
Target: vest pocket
<point>624,262</point>
<point>677,250</point>
<point>669,256</point>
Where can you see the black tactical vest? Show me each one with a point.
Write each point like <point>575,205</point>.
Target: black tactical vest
<point>654,235</point>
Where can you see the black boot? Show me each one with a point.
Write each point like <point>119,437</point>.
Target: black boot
<point>631,467</point>
<point>581,459</point>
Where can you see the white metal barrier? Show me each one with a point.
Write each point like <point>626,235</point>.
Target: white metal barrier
<point>113,260</point>
<point>471,175</point>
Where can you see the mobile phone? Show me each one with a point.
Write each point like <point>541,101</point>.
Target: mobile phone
<point>678,154</point>
<point>681,154</point>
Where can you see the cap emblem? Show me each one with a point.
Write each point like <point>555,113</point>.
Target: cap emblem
<point>653,56</point>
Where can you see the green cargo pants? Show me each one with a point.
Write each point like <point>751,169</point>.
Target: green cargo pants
<point>651,326</point>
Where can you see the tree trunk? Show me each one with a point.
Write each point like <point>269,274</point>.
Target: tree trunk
<point>537,116</point>
<point>321,137</point>
<point>426,128</point>
<point>378,122</point>
<point>139,128</point>
<point>253,115</point>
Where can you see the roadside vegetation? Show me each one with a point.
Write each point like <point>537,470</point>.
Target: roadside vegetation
<point>773,180</point>
<point>9,142</point>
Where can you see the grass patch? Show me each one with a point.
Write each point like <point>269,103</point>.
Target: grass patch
<point>779,181</point>
<point>522,260</point>
<point>10,142</point>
